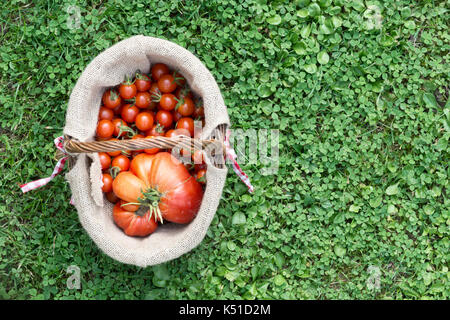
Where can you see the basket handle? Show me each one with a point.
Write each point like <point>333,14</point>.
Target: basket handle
<point>73,147</point>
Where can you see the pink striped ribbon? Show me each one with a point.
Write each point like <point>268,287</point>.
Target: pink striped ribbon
<point>58,168</point>
<point>231,155</point>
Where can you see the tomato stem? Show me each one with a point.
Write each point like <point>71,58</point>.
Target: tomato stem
<point>179,103</point>
<point>156,96</point>
<point>126,129</point>
<point>128,80</point>
<point>113,95</point>
<point>114,171</point>
<point>151,198</point>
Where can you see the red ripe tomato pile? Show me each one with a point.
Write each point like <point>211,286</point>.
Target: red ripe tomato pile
<point>150,186</point>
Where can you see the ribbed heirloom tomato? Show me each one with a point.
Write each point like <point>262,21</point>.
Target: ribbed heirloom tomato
<point>133,223</point>
<point>162,184</point>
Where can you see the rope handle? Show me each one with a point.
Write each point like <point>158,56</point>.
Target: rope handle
<point>212,146</point>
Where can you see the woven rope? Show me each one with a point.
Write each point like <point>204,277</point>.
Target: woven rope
<point>74,147</point>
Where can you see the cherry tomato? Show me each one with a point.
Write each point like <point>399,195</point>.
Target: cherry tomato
<point>168,101</point>
<point>143,100</point>
<point>156,130</point>
<point>158,70</point>
<point>155,92</point>
<point>187,107</point>
<point>142,82</point>
<point>186,123</point>
<point>111,196</point>
<point>105,113</point>
<point>200,176</point>
<point>122,162</point>
<point>182,93</point>
<point>117,122</point>
<point>107,182</point>
<point>118,110</point>
<point>164,118</point>
<point>111,99</point>
<point>199,112</point>
<point>151,150</point>
<point>127,90</point>
<point>144,121</point>
<point>176,116</point>
<point>166,83</point>
<point>177,132</point>
<point>198,167</point>
<point>105,128</point>
<point>105,160</point>
<point>129,113</point>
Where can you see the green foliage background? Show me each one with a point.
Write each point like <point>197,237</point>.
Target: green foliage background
<point>359,91</point>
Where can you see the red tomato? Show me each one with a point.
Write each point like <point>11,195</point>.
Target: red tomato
<point>176,116</point>
<point>118,110</point>
<point>200,176</point>
<point>111,197</point>
<point>155,92</point>
<point>122,162</point>
<point>117,122</point>
<point>199,112</point>
<point>158,70</point>
<point>177,132</point>
<point>166,83</point>
<point>107,181</point>
<point>129,113</point>
<point>132,223</point>
<point>105,113</point>
<point>168,102</point>
<point>144,121</point>
<point>105,128</point>
<point>156,130</point>
<point>142,82</point>
<point>143,100</point>
<point>198,167</point>
<point>186,123</point>
<point>182,93</point>
<point>111,99</point>
<point>162,182</point>
<point>127,90</point>
<point>164,118</point>
<point>186,108</point>
<point>105,160</point>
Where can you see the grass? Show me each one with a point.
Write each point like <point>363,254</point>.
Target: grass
<point>358,208</point>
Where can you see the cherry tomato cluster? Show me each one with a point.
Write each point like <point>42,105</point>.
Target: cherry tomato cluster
<point>159,103</point>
